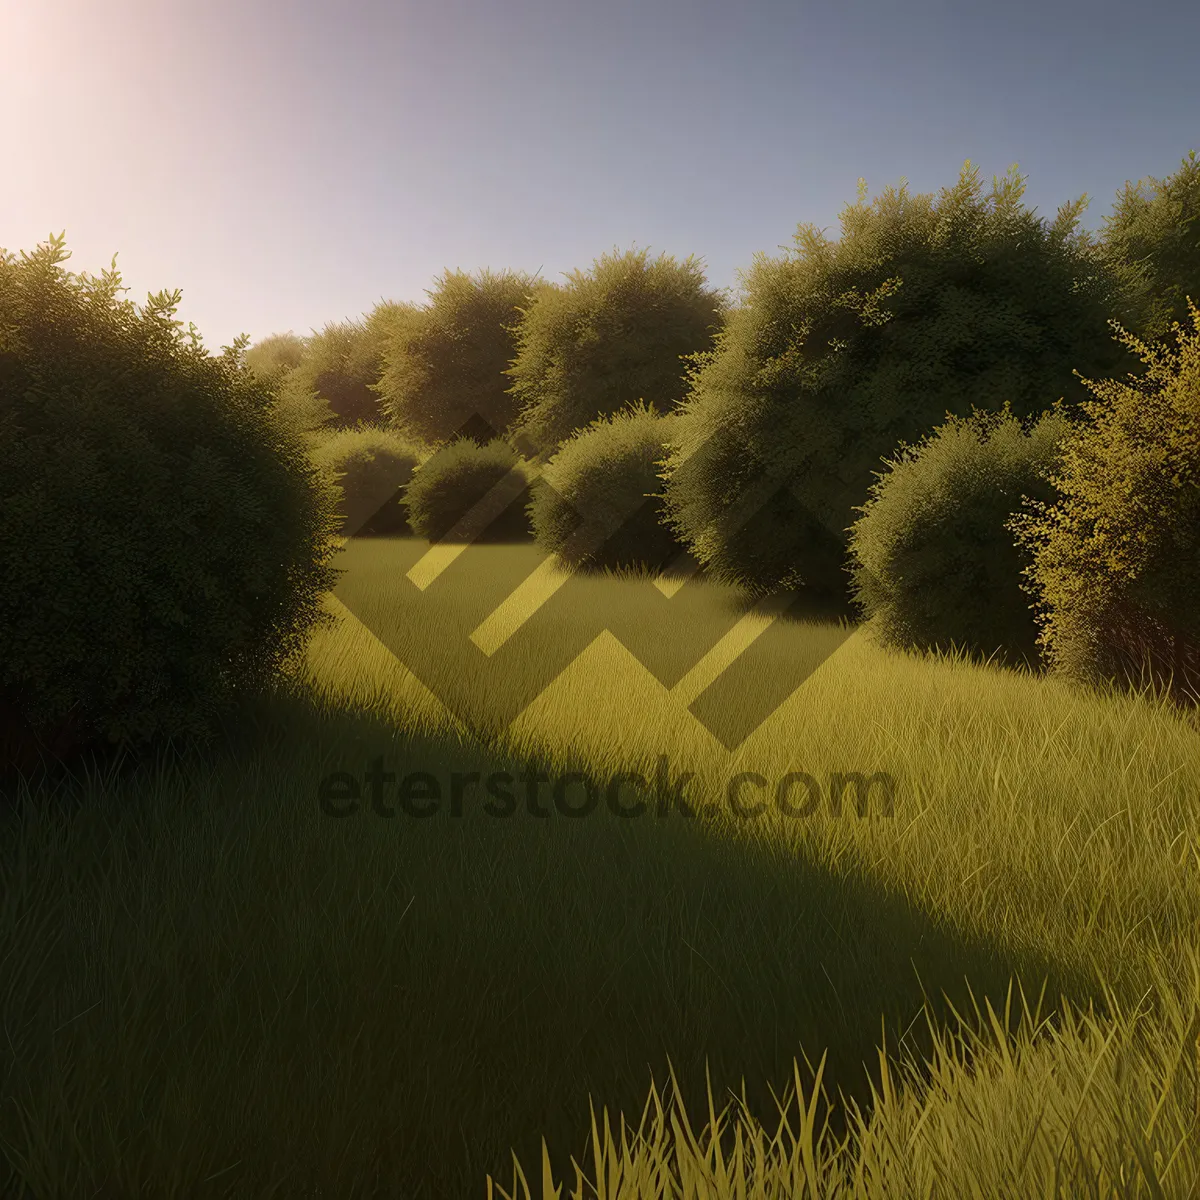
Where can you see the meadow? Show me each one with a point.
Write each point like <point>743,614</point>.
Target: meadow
<point>213,987</point>
<point>422,774</point>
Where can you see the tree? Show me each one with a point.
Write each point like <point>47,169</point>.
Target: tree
<point>443,369</point>
<point>1152,239</point>
<point>935,564</point>
<point>164,541</point>
<point>1116,561</point>
<point>844,350</point>
<point>444,493</point>
<point>608,338</point>
<point>341,366</point>
<point>274,356</point>
<point>599,501</point>
<point>371,468</point>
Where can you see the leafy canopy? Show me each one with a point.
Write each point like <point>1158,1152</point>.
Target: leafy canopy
<point>334,382</point>
<point>844,350</point>
<point>1152,238</point>
<point>1116,561</point>
<point>164,539</point>
<point>443,370</point>
<point>274,356</point>
<point>609,338</point>
<point>370,467</point>
<point>470,492</point>
<point>935,565</point>
<point>599,502</point>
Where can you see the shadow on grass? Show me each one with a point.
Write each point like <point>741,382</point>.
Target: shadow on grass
<point>802,606</point>
<point>433,630</point>
<point>213,988</point>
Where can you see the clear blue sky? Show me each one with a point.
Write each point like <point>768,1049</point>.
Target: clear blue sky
<point>286,164</point>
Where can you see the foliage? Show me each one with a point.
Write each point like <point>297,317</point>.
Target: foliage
<point>443,370</point>
<point>1116,566</point>
<point>336,377</point>
<point>935,564</point>
<point>599,503</point>
<point>448,485</point>
<point>844,350</point>
<point>274,361</point>
<point>272,358</point>
<point>371,467</point>
<point>608,338</point>
<point>163,541</point>
<point>1152,238</point>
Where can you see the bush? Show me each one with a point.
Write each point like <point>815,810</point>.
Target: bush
<point>340,368</point>
<point>598,503</point>
<point>164,542</point>
<point>272,358</point>
<point>371,468</point>
<point>935,563</point>
<point>1152,239</point>
<point>607,339</point>
<point>454,479</point>
<point>443,371</point>
<point>1116,561</point>
<point>846,350</point>
<point>273,361</point>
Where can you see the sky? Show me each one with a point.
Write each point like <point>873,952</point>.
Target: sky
<point>290,164</point>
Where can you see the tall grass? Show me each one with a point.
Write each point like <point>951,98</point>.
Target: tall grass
<point>1029,812</point>
<point>211,988</point>
<point>1005,1106</point>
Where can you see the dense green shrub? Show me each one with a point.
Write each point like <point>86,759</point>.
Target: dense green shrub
<point>1152,239</point>
<point>1116,561</point>
<point>341,366</point>
<point>935,564</point>
<point>845,350</point>
<point>164,542</point>
<point>272,358</point>
<point>607,339</point>
<point>273,361</point>
<point>443,371</point>
<point>447,486</point>
<point>371,467</point>
<point>599,502</point>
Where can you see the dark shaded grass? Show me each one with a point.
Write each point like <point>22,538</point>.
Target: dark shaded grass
<point>209,988</point>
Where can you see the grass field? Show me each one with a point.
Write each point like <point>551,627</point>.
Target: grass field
<point>215,988</point>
